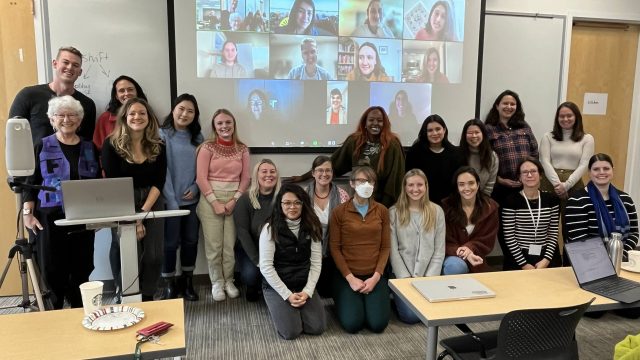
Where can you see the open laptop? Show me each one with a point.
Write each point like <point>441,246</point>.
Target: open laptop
<point>595,272</point>
<point>452,288</point>
<point>97,198</point>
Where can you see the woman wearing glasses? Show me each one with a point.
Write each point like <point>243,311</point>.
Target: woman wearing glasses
<point>65,254</point>
<point>325,196</point>
<point>360,243</point>
<point>290,261</point>
<point>530,223</point>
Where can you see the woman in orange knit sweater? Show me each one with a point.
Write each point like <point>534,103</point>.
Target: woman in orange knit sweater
<point>359,240</point>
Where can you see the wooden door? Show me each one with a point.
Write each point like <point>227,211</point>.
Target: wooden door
<point>603,60</point>
<point>17,69</point>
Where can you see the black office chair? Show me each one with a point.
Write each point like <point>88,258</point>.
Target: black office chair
<point>523,334</point>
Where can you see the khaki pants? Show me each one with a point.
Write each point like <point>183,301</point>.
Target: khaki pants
<point>219,238</point>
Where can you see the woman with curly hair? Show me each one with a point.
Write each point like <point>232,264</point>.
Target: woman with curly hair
<point>134,149</point>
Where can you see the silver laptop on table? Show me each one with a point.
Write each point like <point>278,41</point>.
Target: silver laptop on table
<point>452,288</point>
<point>97,198</point>
<point>595,272</point>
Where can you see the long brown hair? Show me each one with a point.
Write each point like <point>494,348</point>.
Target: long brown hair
<point>454,213</point>
<point>309,220</point>
<point>121,136</point>
<point>386,136</point>
<point>577,133</point>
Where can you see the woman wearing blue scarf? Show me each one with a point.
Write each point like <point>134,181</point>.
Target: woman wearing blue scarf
<point>600,209</point>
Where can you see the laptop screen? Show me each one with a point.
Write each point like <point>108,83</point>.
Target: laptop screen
<point>590,260</point>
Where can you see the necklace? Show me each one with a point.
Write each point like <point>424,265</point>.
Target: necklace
<point>315,192</point>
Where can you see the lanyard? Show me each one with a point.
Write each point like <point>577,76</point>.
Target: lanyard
<point>535,221</point>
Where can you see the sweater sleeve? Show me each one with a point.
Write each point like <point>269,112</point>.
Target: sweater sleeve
<point>576,216</point>
<point>551,241</point>
<point>342,158</point>
<point>385,241</point>
<point>435,265</point>
<point>100,132</point>
<point>245,176</point>
<point>267,250</point>
<point>160,176</point>
<point>394,169</point>
<point>242,220</point>
<point>587,151</point>
<point>398,266</point>
<point>493,173</point>
<point>335,241</point>
<point>110,160</point>
<point>533,143</point>
<point>631,242</point>
<point>545,160</point>
<point>483,237</point>
<point>203,159</point>
<point>508,213</point>
<point>315,269</point>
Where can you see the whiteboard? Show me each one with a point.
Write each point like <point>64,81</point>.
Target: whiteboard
<point>524,54</point>
<point>116,37</point>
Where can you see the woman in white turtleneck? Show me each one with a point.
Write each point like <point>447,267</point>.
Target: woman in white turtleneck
<point>565,152</point>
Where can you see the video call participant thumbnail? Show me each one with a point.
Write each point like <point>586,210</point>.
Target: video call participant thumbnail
<point>229,66</point>
<point>369,65</point>
<point>301,20</point>
<point>336,112</point>
<point>374,25</point>
<point>309,69</point>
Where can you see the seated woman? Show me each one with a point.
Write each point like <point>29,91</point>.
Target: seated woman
<point>600,208</point>
<point>290,261</point>
<point>478,154</point>
<point>472,225</point>
<point>530,223</point>
<point>249,216</point>
<point>325,196</point>
<point>417,236</point>
<point>65,253</point>
<point>359,242</point>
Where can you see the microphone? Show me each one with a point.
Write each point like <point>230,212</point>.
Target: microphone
<point>19,155</point>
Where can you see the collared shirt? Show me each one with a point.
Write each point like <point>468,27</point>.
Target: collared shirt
<point>511,146</point>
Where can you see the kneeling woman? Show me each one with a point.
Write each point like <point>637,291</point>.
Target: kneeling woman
<point>530,223</point>
<point>359,239</point>
<point>290,261</point>
<point>472,225</point>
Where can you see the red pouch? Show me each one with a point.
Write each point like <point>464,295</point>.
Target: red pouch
<point>158,328</point>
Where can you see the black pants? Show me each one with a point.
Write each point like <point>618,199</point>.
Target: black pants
<point>64,255</point>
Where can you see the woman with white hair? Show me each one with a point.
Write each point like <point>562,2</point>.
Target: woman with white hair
<point>65,254</point>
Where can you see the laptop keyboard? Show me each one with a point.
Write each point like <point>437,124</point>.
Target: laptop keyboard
<point>617,286</point>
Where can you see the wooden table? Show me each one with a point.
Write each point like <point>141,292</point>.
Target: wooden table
<point>59,334</point>
<point>515,290</point>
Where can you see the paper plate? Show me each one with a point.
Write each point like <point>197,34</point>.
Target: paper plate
<point>113,318</point>
<point>625,266</point>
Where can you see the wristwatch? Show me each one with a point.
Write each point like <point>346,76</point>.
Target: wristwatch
<point>27,211</point>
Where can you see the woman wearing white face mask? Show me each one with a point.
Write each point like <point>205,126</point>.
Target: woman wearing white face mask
<point>360,243</point>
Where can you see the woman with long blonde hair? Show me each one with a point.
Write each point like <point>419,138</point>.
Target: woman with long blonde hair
<point>417,236</point>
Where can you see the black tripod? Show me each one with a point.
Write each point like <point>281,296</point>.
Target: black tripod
<point>23,249</point>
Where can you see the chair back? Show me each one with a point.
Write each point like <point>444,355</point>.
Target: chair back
<point>540,333</point>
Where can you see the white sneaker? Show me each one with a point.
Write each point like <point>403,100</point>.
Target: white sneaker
<point>231,289</point>
<point>217,291</point>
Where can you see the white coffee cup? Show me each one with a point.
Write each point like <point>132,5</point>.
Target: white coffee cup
<point>634,260</point>
<point>91,293</point>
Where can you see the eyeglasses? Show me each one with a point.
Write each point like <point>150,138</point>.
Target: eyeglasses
<point>323,171</point>
<point>63,116</point>
<point>255,102</point>
<point>529,172</point>
<point>289,204</point>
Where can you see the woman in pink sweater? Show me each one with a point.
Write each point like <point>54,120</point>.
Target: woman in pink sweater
<point>222,174</point>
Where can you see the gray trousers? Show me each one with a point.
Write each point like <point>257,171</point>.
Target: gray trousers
<point>289,321</point>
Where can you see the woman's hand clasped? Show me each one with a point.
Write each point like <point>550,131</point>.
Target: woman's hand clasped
<point>298,299</point>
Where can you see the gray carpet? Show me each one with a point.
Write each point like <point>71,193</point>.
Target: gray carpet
<point>236,329</point>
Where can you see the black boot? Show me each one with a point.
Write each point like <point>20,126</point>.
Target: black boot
<point>189,293</point>
<point>168,289</point>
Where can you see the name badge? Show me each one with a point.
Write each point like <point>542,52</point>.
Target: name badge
<point>535,249</point>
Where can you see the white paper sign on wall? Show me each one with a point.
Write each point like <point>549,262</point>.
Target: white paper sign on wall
<point>595,104</point>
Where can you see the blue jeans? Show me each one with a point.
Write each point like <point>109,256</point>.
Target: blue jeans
<point>249,272</point>
<point>405,314</point>
<point>454,265</point>
<point>181,232</point>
